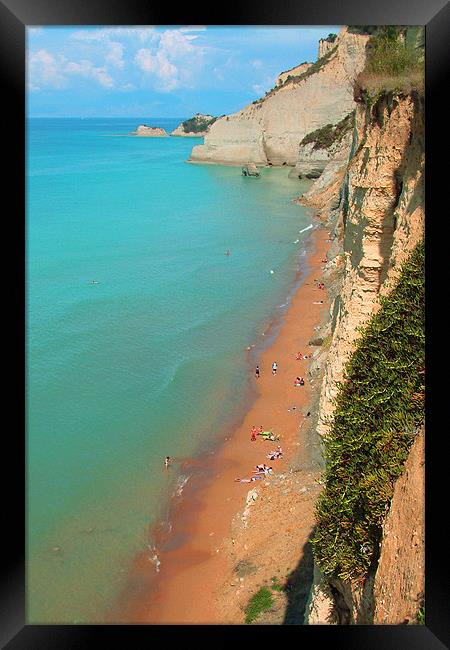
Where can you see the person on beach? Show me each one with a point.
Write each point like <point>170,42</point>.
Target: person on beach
<point>257,372</point>
<point>299,356</point>
<point>248,480</point>
<point>274,455</point>
<point>299,381</point>
<point>260,468</point>
<point>167,461</point>
<point>260,430</point>
<point>274,368</point>
<point>254,434</point>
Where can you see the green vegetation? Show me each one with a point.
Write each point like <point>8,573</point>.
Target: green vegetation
<point>395,62</point>
<point>420,620</point>
<point>378,408</point>
<point>363,29</point>
<point>197,124</point>
<point>259,603</point>
<point>330,38</point>
<point>276,586</point>
<point>329,134</point>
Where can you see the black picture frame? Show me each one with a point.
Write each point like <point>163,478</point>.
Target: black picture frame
<point>15,15</point>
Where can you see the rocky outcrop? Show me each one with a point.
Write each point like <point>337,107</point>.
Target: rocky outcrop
<point>150,131</point>
<point>313,157</point>
<point>269,131</point>
<point>195,127</point>
<point>325,45</point>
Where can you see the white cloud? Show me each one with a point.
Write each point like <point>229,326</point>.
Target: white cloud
<point>175,61</point>
<point>48,70</point>
<point>144,33</point>
<point>87,69</point>
<point>158,65</point>
<point>114,55</point>
<point>44,69</point>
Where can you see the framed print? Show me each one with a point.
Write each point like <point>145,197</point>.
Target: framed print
<point>220,224</point>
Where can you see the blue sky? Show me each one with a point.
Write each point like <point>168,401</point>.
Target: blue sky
<point>172,71</point>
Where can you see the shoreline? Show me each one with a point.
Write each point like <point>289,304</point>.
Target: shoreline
<point>197,546</point>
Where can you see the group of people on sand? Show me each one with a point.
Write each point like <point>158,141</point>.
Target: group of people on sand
<point>262,469</point>
<point>274,370</point>
<point>299,381</point>
<point>320,285</point>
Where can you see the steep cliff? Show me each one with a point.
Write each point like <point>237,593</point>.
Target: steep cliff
<point>381,219</point>
<point>374,207</point>
<point>269,131</point>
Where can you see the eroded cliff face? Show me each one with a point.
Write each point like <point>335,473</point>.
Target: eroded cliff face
<point>381,219</point>
<point>374,207</point>
<point>394,589</point>
<point>269,132</point>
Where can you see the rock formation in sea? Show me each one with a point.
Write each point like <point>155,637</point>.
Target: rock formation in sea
<point>196,126</point>
<point>150,131</point>
<point>269,131</point>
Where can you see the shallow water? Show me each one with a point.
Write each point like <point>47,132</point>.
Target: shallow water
<point>149,362</point>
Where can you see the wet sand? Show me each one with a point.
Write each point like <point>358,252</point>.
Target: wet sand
<point>195,556</point>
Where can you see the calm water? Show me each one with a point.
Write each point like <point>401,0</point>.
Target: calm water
<point>149,362</point>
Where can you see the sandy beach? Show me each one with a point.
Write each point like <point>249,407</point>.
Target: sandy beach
<point>209,533</point>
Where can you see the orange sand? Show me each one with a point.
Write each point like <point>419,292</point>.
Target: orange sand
<point>193,572</point>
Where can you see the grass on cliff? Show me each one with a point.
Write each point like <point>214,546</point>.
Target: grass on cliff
<point>379,405</point>
<point>395,63</point>
<point>327,135</point>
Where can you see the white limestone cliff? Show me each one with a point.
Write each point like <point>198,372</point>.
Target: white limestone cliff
<point>269,131</point>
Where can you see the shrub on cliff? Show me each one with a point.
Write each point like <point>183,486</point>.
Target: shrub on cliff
<point>327,135</point>
<point>197,124</point>
<point>394,63</point>
<point>378,409</point>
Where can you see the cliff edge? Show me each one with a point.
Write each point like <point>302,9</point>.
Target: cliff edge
<point>269,131</point>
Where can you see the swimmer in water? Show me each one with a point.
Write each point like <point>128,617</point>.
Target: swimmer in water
<point>167,461</point>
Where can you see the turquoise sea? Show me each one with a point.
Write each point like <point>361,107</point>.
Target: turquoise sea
<point>150,361</point>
